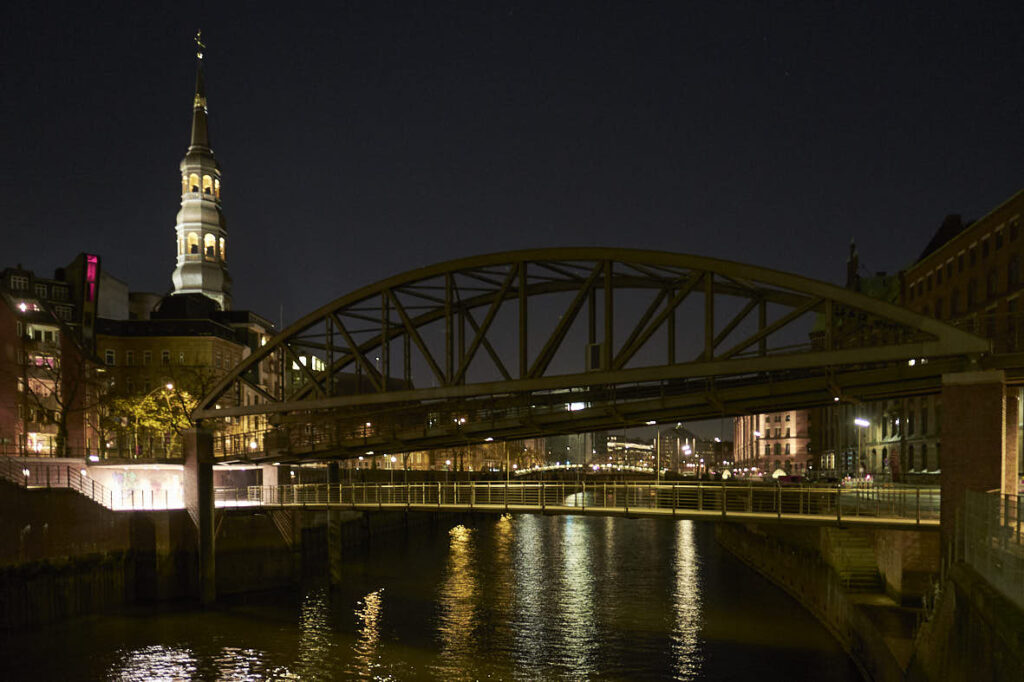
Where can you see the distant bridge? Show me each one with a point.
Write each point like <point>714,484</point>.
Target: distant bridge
<point>900,508</point>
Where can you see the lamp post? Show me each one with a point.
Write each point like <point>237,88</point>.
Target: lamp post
<point>168,386</point>
<point>861,424</point>
<point>757,445</point>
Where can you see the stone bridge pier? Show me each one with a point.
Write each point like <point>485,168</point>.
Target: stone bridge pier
<point>979,442</point>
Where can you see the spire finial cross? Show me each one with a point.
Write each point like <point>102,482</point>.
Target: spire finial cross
<point>200,46</point>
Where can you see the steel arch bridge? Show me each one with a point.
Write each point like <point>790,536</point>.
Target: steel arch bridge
<point>539,342</point>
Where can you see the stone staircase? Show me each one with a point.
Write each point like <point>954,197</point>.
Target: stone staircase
<point>852,556</point>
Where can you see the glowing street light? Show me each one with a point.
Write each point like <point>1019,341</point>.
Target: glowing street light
<point>862,424</point>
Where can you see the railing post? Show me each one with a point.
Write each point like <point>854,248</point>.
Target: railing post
<point>918,492</point>
<point>700,496</point>
<point>584,494</point>
<point>439,494</point>
<point>778,501</point>
<point>839,506</point>
<point>542,495</point>
<point>725,500</point>
<point>675,500</point>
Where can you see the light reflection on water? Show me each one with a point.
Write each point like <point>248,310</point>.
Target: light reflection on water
<point>686,601</point>
<point>457,604</point>
<point>156,662</point>
<point>518,598</point>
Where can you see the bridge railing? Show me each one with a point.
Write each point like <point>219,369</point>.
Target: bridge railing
<point>993,541</point>
<point>724,498</point>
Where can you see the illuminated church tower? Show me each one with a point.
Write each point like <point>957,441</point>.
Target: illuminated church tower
<point>201,228</point>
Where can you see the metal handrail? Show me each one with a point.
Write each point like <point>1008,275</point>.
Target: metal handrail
<point>914,504</point>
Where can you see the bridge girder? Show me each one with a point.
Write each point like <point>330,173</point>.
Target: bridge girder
<point>553,326</point>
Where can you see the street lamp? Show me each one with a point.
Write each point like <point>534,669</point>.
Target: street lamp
<point>168,386</point>
<point>861,424</point>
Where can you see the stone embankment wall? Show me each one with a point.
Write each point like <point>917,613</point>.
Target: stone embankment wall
<point>974,634</point>
<point>62,555</point>
<point>971,633</point>
<point>799,568</point>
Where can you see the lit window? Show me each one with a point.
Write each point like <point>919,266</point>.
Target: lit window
<point>193,182</point>
<point>210,246</point>
<point>207,184</point>
<point>184,184</point>
<point>216,188</point>
<point>181,358</point>
<point>19,282</point>
<point>165,357</point>
<point>193,242</point>
<point>40,290</point>
<point>223,254</point>
<point>109,358</point>
<point>147,357</point>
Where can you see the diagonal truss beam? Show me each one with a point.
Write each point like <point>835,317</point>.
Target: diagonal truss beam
<point>772,328</point>
<point>353,348</point>
<point>540,364</point>
<point>410,329</point>
<point>639,340</point>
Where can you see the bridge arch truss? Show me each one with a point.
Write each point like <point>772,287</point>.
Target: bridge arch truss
<point>536,342</point>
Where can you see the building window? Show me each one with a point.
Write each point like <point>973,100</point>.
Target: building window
<point>19,282</point>
<point>216,188</point>
<point>1013,271</point>
<point>210,246</point>
<point>1014,228</point>
<point>954,303</point>
<point>972,286</point>
<point>147,358</point>
<point>984,248</point>
<point>924,421</point>
<point>938,308</point>
<point>40,290</point>
<point>885,427</point>
<point>207,184</point>
<point>223,253</point>
<point>193,243</point>
<point>165,357</point>
<point>949,268</point>
<point>109,357</point>
<point>787,432</point>
<point>778,450</point>
<point>938,275</point>
<point>787,448</point>
<point>960,262</point>
<point>181,357</point>
<point>129,358</point>
<point>991,283</point>
<point>972,255</point>
<point>193,182</point>
<point>787,417</point>
<point>999,240</point>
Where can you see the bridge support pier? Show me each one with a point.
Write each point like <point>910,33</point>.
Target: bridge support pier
<point>333,525</point>
<point>979,442</point>
<point>198,489</point>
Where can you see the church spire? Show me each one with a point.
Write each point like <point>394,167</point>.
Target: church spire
<point>200,135</point>
<point>201,229</point>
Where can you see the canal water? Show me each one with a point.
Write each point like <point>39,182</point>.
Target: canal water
<point>523,598</point>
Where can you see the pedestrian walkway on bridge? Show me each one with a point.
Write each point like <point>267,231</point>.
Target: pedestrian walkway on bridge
<point>877,507</point>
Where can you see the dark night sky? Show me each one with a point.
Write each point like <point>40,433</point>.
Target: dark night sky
<point>361,139</point>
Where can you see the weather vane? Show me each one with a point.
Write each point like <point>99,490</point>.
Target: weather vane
<point>199,44</point>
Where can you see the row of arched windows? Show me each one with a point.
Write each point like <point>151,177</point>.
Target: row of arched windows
<point>208,185</point>
<point>210,251</point>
